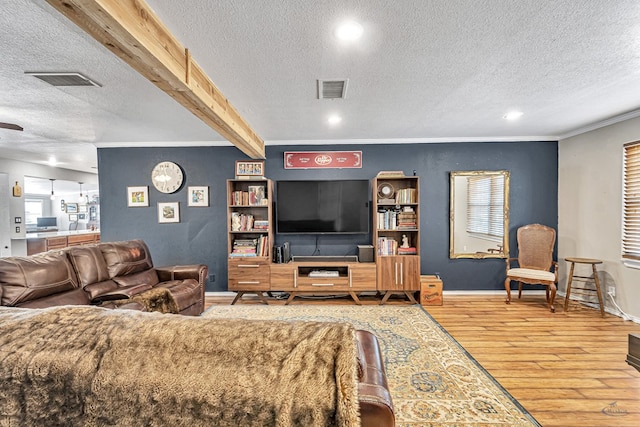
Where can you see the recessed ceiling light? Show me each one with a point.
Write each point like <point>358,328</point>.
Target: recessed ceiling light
<point>513,115</point>
<point>52,161</point>
<point>334,119</point>
<point>349,31</point>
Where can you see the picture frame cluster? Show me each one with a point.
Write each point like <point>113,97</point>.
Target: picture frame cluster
<point>168,212</point>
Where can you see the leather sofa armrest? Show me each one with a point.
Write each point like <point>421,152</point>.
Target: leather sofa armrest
<point>121,293</point>
<point>180,272</point>
<point>376,406</point>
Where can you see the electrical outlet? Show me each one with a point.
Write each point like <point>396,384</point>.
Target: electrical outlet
<point>611,290</point>
<point>212,278</point>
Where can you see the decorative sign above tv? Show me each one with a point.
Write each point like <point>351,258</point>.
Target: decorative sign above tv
<point>323,159</point>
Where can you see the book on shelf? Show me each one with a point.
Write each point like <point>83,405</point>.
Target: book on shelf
<point>407,220</point>
<point>250,247</point>
<point>241,222</point>
<point>260,224</point>
<point>406,195</point>
<point>393,219</point>
<point>407,251</point>
<point>387,246</point>
<point>387,219</point>
<point>240,198</point>
<point>254,197</point>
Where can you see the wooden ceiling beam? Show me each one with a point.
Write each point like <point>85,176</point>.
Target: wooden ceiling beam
<point>133,32</point>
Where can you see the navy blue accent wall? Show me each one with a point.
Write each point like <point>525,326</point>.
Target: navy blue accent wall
<point>200,237</point>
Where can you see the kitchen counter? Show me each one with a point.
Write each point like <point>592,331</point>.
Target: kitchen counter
<point>46,241</point>
<point>45,234</point>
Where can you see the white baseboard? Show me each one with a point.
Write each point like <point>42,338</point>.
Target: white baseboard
<point>607,309</point>
<point>219,294</point>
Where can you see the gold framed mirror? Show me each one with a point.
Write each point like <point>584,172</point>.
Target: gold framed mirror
<point>479,214</point>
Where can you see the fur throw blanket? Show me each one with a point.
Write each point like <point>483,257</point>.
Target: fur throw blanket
<point>155,299</point>
<point>90,366</point>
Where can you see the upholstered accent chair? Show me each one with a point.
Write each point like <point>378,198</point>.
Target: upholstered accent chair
<point>535,264</point>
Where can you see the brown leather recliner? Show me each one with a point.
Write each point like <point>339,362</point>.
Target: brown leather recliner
<point>376,406</point>
<point>97,273</point>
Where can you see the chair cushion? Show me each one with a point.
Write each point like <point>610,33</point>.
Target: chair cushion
<point>147,277</point>
<point>124,258</point>
<point>529,273</point>
<point>89,264</point>
<point>74,297</point>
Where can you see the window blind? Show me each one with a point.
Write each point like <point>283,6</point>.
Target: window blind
<point>631,201</point>
<point>485,205</point>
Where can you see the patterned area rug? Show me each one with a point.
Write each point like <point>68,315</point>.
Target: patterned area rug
<point>433,380</point>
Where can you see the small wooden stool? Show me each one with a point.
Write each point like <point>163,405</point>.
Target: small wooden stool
<point>593,279</point>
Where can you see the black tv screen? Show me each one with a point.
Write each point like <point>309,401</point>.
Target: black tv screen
<point>46,221</point>
<point>322,207</point>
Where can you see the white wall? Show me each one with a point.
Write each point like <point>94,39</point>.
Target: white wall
<point>590,208</point>
<point>5,241</point>
<point>16,171</point>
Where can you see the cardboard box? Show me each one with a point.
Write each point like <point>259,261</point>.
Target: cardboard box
<point>430,290</point>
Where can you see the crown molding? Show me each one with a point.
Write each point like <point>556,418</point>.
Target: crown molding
<point>603,123</point>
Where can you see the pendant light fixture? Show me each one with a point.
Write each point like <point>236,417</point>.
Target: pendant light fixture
<point>79,182</point>
<point>52,194</point>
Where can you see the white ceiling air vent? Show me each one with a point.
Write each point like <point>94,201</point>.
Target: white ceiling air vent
<point>332,89</point>
<point>64,79</point>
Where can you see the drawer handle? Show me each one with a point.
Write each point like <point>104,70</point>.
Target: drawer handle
<point>248,266</point>
<point>322,284</point>
<point>249,282</point>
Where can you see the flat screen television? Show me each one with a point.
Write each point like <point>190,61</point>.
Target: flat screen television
<point>322,207</point>
<point>47,221</point>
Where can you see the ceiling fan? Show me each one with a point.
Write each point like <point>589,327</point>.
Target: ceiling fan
<point>10,126</point>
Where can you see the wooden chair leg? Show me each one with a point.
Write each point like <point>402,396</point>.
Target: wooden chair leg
<point>507,287</point>
<point>552,297</point>
<point>519,290</point>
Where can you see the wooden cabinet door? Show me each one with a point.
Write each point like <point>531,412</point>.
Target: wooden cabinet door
<point>56,242</point>
<point>363,276</point>
<point>282,277</point>
<point>388,271</point>
<point>410,272</point>
<point>399,273</point>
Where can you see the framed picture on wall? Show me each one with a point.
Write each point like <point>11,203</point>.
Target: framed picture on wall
<point>137,196</point>
<point>248,169</point>
<point>168,212</point>
<point>82,208</point>
<point>72,208</point>
<point>73,217</point>
<point>198,196</point>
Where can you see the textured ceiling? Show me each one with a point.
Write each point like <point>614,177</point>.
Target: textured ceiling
<point>423,71</point>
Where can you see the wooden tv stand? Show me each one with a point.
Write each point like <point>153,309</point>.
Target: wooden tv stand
<point>306,277</point>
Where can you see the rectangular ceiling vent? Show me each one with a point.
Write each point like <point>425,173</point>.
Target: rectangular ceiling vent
<point>64,79</point>
<point>332,89</point>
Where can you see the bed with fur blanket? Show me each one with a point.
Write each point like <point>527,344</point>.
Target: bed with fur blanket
<point>96,367</point>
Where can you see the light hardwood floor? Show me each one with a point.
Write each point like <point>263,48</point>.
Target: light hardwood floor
<point>567,369</point>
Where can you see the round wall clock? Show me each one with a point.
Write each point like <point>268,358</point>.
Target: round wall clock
<point>167,177</point>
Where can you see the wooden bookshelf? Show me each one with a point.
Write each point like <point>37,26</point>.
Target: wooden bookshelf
<point>396,235</point>
<point>250,235</point>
